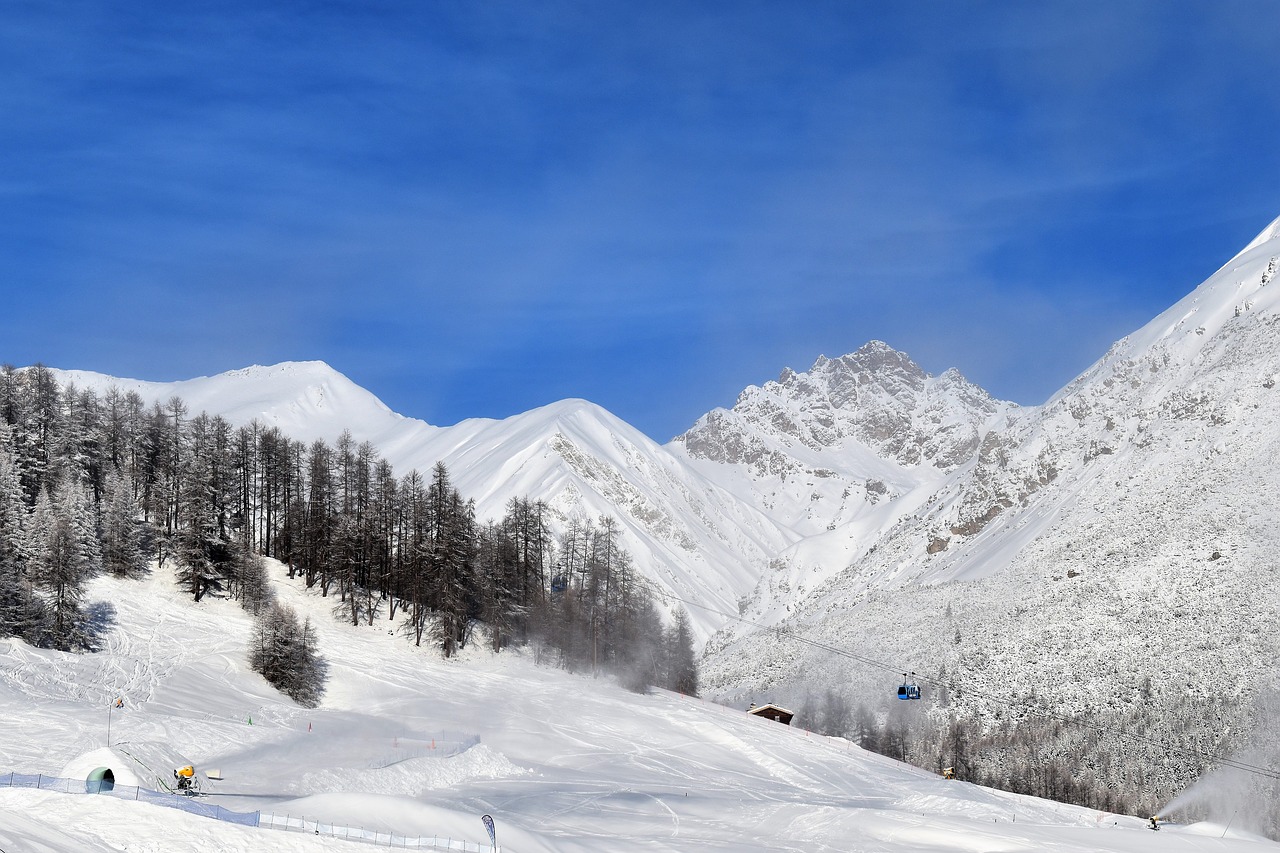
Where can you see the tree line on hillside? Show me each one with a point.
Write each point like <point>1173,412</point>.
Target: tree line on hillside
<point>95,483</point>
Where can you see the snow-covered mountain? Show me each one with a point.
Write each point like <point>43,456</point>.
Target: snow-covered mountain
<point>874,411</point>
<point>839,454</point>
<point>692,537</point>
<point>1107,552</point>
<point>826,457</point>
<point>1175,421</point>
<point>865,477</point>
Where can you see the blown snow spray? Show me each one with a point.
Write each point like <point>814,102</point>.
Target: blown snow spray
<point>1224,797</point>
<point>1241,792</point>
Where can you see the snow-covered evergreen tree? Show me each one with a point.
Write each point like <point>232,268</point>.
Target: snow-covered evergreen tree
<point>285,652</point>
<point>200,543</point>
<point>64,555</point>
<point>248,579</point>
<point>682,666</point>
<point>123,552</point>
<point>21,613</point>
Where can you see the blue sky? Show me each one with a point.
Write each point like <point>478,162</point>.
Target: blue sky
<point>476,208</point>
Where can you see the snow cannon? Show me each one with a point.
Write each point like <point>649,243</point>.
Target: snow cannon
<point>1155,821</point>
<point>186,779</point>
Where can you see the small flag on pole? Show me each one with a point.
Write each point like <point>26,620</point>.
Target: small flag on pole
<point>488,824</point>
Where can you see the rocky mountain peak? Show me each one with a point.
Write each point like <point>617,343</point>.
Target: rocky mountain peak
<point>876,397</point>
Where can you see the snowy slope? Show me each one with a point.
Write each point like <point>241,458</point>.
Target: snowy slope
<point>1109,553</point>
<point>1183,401</point>
<point>563,763</point>
<point>799,477</point>
<point>307,400</point>
<point>839,454</point>
<point>692,537</point>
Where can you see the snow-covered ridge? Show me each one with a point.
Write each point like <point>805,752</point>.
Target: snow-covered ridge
<point>306,400</point>
<point>875,399</point>
<point>860,429</point>
<point>843,442</point>
<point>691,537</point>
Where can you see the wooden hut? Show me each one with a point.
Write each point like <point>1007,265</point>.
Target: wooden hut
<point>772,712</point>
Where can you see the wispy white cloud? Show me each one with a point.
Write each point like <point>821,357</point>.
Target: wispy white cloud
<point>524,202</point>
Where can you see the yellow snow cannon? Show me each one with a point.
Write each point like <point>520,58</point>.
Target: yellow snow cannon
<point>186,779</point>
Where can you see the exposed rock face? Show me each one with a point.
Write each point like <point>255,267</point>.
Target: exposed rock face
<point>838,454</point>
<point>877,397</point>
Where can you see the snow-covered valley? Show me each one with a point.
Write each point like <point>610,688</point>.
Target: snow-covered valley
<point>562,762</point>
<point>1100,564</point>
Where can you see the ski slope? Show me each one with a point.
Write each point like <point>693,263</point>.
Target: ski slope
<point>563,762</point>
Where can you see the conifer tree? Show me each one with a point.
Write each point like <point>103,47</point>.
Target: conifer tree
<point>247,576</point>
<point>498,582</point>
<point>64,555</point>
<point>285,652</point>
<point>682,667</point>
<point>21,613</point>
<point>123,550</point>
<point>13,508</point>
<point>196,546</point>
<point>318,529</point>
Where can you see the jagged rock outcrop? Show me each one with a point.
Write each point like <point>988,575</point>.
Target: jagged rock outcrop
<point>816,450</point>
<point>876,396</point>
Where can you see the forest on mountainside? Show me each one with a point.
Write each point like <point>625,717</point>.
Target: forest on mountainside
<point>1009,710</point>
<point>95,483</point>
